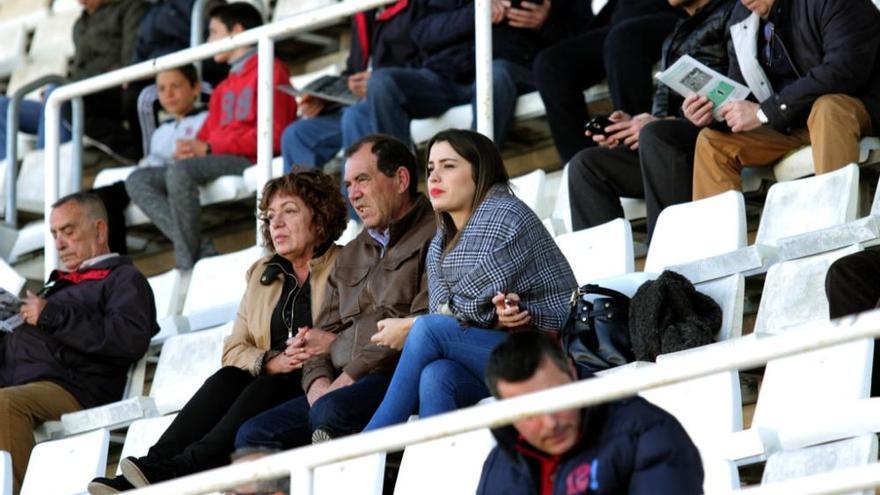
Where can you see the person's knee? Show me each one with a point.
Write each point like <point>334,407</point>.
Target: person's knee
<point>584,166</point>
<point>835,106</point>
<point>251,434</point>
<point>228,375</point>
<point>381,85</point>
<point>437,382</point>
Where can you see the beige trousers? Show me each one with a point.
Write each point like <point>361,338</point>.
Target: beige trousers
<point>22,408</point>
<point>835,125</point>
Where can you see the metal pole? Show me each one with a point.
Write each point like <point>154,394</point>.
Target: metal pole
<point>746,354</point>
<point>483,43</point>
<point>77,130</point>
<point>265,99</point>
<point>53,118</point>
<point>196,26</point>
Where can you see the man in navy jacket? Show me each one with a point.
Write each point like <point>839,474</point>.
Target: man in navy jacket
<point>626,446</point>
<point>80,334</point>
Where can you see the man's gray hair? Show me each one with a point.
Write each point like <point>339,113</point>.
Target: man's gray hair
<point>90,202</point>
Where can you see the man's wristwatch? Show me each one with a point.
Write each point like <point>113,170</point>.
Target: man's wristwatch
<point>762,117</point>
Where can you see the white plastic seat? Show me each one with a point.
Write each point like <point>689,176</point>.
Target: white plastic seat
<point>12,51</point>
<point>553,186</point>
<point>560,215</point>
<point>287,8</point>
<point>168,290</point>
<point>216,286</point>
<point>53,36</point>
<point>26,13</point>
<point>362,475</point>
<point>352,229</point>
<point>65,467</point>
<point>460,455</point>
<point>5,473</point>
<point>791,210</point>
<point>143,434</point>
<point>729,293</point>
<point>10,280</point>
<point>31,186</point>
<point>250,173</point>
<point>599,252</point>
<point>799,163</point>
<point>696,230</point>
<point>842,454</point>
<point>34,69</point>
<point>28,238</point>
<point>710,410</point>
<point>794,292</point>
<point>802,385</point>
<point>530,189</point>
<point>66,6</point>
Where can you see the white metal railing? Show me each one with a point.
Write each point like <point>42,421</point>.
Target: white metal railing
<point>264,37</point>
<point>300,463</point>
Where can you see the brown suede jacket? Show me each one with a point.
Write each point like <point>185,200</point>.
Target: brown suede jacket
<point>370,283</point>
<point>251,332</point>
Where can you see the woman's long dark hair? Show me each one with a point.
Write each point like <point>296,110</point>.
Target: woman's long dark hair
<point>487,170</point>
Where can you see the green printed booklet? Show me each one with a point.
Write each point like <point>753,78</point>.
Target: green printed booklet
<point>688,76</point>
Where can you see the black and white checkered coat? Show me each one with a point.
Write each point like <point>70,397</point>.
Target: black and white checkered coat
<point>504,247</point>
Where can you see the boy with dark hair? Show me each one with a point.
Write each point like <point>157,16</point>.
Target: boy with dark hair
<point>226,144</point>
<point>626,446</point>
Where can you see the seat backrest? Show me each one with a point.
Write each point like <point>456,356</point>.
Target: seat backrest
<point>699,229</point>
<point>34,69</point>
<point>809,204</point>
<point>447,465</point>
<point>31,183</point>
<point>728,292</point>
<point>187,360</point>
<point>65,467</point>
<point>166,292</point>
<point>562,205</point>
<point>5,473</point>
<point>142,434</point>
<point>53,36</point>
<point>13,48</point>
<point>362,475</point>
<point>813,381</point>
<point>216,286</point>
<point>798,463</point>
<point>530,189</point>
<point>794,292</point>
<point>10,280</point>
<point>599,252</point>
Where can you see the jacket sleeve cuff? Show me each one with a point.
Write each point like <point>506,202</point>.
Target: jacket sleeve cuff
<point>261,360</point>
<point>315,368</point>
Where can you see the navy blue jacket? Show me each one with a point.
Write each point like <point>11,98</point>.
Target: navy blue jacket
<point>87,336</point>
<point>445,36</point>
<point>627,447</point>
<point>834,46</point>
<point>387,33</point>
<point>164,29</point>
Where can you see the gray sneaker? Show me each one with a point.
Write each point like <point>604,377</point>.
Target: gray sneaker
<point>320,436</point>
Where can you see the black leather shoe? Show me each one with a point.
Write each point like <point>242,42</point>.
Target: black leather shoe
<point>109,486</point>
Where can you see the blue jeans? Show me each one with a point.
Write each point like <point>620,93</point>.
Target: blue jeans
<point>396,95</point>
<point>31,121</point>
<point>441,369</point>
<point>341,412</point>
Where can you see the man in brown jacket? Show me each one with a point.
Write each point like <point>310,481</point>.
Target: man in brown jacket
<point>377,276</point>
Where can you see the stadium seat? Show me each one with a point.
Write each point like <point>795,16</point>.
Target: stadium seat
<point>142,434</point>
<point>710,410</point>
<point>216,286</point>
<point>352,229</point>
<point>168,290</point>
<point>31,183</point>
<point>842,454</point>
<point>10,280</point>
<point>5,473</point>
<point>696,230</point>
<point>66,7</point>
<point>461,454</point>
<point>362,475</point>
<point>530,189</point>
<point>12,51</point>
<point>65,467</point>
<point>799,163</point>
<point>791,208</point>
<point>553,186</point>
<point>729,293</point>
<point>53,36</point>
<point>28,238</point>
<point>26,13</point>
<point>250,173</point>
<point>34,69</point>
<point>599,252</point>
<point>794,292</point>
<point>802,385</point>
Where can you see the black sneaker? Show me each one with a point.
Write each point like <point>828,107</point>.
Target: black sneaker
<point>140,473</point>
<point>109,486</point>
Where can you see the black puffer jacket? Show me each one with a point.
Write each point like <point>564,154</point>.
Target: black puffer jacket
<point>703,36</point>
<point>91,330</point>
<point>834,46</point>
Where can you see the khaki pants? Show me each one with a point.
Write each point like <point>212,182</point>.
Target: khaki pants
<point>21,409</point>
<point>834,128</point>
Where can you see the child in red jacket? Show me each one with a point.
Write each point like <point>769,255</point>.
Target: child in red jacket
<point>226,144</point>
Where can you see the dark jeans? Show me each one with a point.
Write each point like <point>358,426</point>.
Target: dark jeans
<point>625,54</point>
<point>202,435</point>
<point>852,286</point>
<point>661,172</point>
<point>341,412</point>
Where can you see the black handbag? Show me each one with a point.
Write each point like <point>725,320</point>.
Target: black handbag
<point>596,334</point>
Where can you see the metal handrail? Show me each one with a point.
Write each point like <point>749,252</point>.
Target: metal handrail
<point>12,124</point>
<point>300,463</point>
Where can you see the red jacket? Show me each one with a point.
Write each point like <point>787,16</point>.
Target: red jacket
<point>231,126</point>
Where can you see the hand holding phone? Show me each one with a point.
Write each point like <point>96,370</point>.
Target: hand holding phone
<point>596,125</point>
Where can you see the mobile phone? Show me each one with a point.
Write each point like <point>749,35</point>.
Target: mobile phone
<point>597,125</point>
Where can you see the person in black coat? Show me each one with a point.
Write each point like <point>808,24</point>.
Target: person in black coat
<point>79,335</point>
<point>650,155</point>
<point>626,446</point>
<point>813,67</point>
